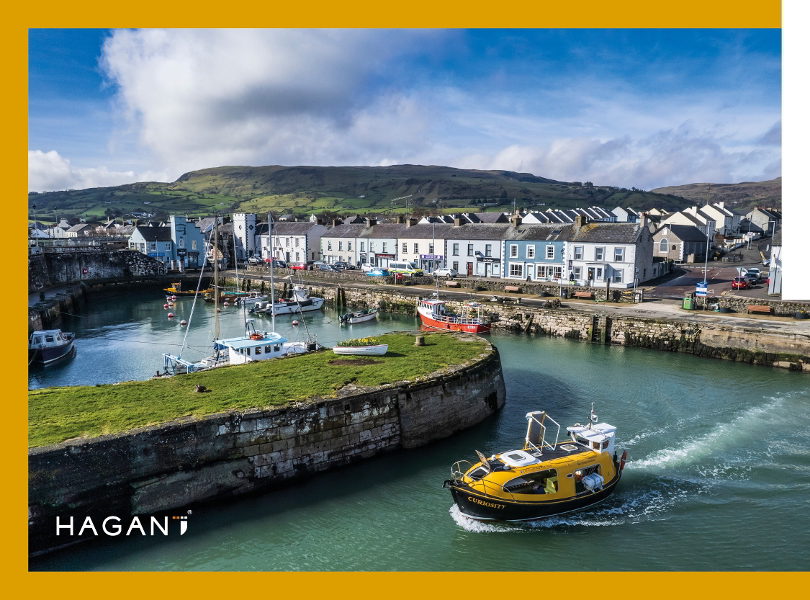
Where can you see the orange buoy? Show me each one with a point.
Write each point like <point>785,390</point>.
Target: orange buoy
<point>170,315</point>
<point>295,323</point>
<point>165,306</point>
<point>174,297</point>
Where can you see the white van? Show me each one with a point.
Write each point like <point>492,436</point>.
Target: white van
<point>406,268</point>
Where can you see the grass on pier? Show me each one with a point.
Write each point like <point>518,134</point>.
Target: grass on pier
<point>60,413</point>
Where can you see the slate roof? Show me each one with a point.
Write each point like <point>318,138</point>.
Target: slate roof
<point>544,232</point>
<point>155,234</point>
<point>287,227</point>
<point>477,231</point>
<point>491,217</point>
<point>425,231</point>
<point>346,230</point>
<point>685,233</point>
<point>78,228</point>
<point>611,233</point>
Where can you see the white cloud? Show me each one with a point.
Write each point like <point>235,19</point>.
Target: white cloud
<point>203,98</point>
<point>48,171</point>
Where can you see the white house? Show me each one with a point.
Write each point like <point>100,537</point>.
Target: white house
<point>341,244</point>
<point>728,222</point>
<point>475,249</point>
<point>625,214</point>
<point>379,243</point>
<point>291,241</point>
<point>689,217</point>
<point>617,252</point>
<point>423,244</point>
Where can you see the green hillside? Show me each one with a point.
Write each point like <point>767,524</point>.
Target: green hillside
<point>304,190</point>
<point>741,197</point>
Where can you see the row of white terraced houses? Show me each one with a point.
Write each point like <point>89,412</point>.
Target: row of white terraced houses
<point>588,253</point>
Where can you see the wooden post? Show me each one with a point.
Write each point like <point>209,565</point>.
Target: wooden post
<point>607,292</point>
<point>419,341</point>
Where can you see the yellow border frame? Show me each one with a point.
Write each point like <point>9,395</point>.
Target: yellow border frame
<point>578,14</point>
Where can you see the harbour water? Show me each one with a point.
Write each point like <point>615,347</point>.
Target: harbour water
<point>719,477</point>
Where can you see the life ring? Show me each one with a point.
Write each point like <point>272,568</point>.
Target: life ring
<point>623,460</point>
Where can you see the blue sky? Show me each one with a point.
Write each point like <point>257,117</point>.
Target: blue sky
<point>642,108</point>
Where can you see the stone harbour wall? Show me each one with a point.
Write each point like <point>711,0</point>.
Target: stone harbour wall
<point>56,266</point>
<point>161,468</point>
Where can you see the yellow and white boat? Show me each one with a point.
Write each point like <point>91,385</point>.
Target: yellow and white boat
<point>544,478</point>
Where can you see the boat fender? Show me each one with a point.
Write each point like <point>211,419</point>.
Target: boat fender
<point>624,460</point>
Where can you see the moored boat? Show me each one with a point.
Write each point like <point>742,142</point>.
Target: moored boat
<point>434,314</point>
<point>300,302</point>
<point>359,316</point>
<point>544,478</point>
<point>49,346</point>
<point>376,350</point>
<point>176,289</point>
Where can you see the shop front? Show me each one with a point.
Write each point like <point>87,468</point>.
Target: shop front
<point>382,260</point>
<point>487,266</point>
<point>430,262</point>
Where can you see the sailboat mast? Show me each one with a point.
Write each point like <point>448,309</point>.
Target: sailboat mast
<point>216,277</point>
<point>272,277</point>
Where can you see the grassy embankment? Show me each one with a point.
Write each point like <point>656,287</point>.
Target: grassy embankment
<point>60,413</point>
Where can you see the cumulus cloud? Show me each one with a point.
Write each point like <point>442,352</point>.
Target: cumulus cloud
<point>670,157</point>
<point>48,171</point>
<point>202,98</point>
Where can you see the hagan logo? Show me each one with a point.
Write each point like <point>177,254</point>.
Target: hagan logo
<point>114,526</point>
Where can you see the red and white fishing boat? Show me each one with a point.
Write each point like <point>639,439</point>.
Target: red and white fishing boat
<point>471,320</point>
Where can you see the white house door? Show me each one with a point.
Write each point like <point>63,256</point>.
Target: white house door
<point>591,274</point>
<point>530,271</point>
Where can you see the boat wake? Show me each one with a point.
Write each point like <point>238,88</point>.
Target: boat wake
<point>746,424</point>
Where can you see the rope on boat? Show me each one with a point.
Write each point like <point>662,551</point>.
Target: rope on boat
<point>197,293</point>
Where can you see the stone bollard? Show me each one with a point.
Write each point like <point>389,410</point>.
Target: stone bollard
<point>419,341</point>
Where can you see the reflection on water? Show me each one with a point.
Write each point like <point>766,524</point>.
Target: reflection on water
<point>718,478</point>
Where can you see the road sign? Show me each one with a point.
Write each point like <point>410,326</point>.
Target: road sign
<point>702,289</point>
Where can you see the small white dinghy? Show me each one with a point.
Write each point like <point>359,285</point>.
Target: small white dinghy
<point>359,316</point>
<point>378,350</point>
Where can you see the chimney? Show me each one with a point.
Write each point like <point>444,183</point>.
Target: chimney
<point>369,221</point>
<point>580,221</point>
<point>457,221</point>
<point>412,222</point>
<point>515,220</point>
<point>400,219</point>
<point>336,222</point>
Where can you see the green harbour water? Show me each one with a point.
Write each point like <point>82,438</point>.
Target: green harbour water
<point>719,477</point>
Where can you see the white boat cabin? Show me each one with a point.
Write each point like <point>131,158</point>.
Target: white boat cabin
<point>47,338</point>
<point>599,437</point>
<point>253,346</point>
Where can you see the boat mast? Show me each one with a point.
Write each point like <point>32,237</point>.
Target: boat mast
<point>272,278</point>
<point>216,277</point>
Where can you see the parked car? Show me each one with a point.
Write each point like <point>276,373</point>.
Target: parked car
<point>366,267</point>
<point>325,267</point>
<point>740,283</point>
<point>445,273</point>
<point>254,260</point>
<point>753,272</point>
<point>277,263</point>
<point>300,266</point>
<point>342,266</point>
<point>377,272</point>
<point>405,268</point>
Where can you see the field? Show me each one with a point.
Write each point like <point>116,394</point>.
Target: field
<point>345,190</point>
<point>741,197</point>
<point>58,414</point>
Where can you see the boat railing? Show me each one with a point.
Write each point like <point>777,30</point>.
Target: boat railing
<point>458,469</point>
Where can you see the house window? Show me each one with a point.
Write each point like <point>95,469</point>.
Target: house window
<point>193,244</point>
<point>557,272</point>
<point>470,250</point>
<point>455,249</point>
<point>664,246</point>
<point>515,269</point>
<point>349,244</point>
<point>287,242</point>
<point>362,246</point>
<point>297,257</point>
<point>599,273</point>
<point>152,245</point>
<point>430,249</point>
<point>529,251</point>
<point>599,254</point>
<point>181,243</point>
<point>455,266</point>
<point>329,245</point>
<point>617,275</point>
<point>618,255</point>
<point>577,273</point>
<point>578,253</point>
<point>385,247</point>
<point>404,247</point>
<point>296,242</point>
<point>416,248</point>
<point>549,252</point>
<point>371,246</point>
<point>168,245</point>
<point>488,250</point>
<point>513,250</point>
<point>340,245</point>
<point>541,271</point>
